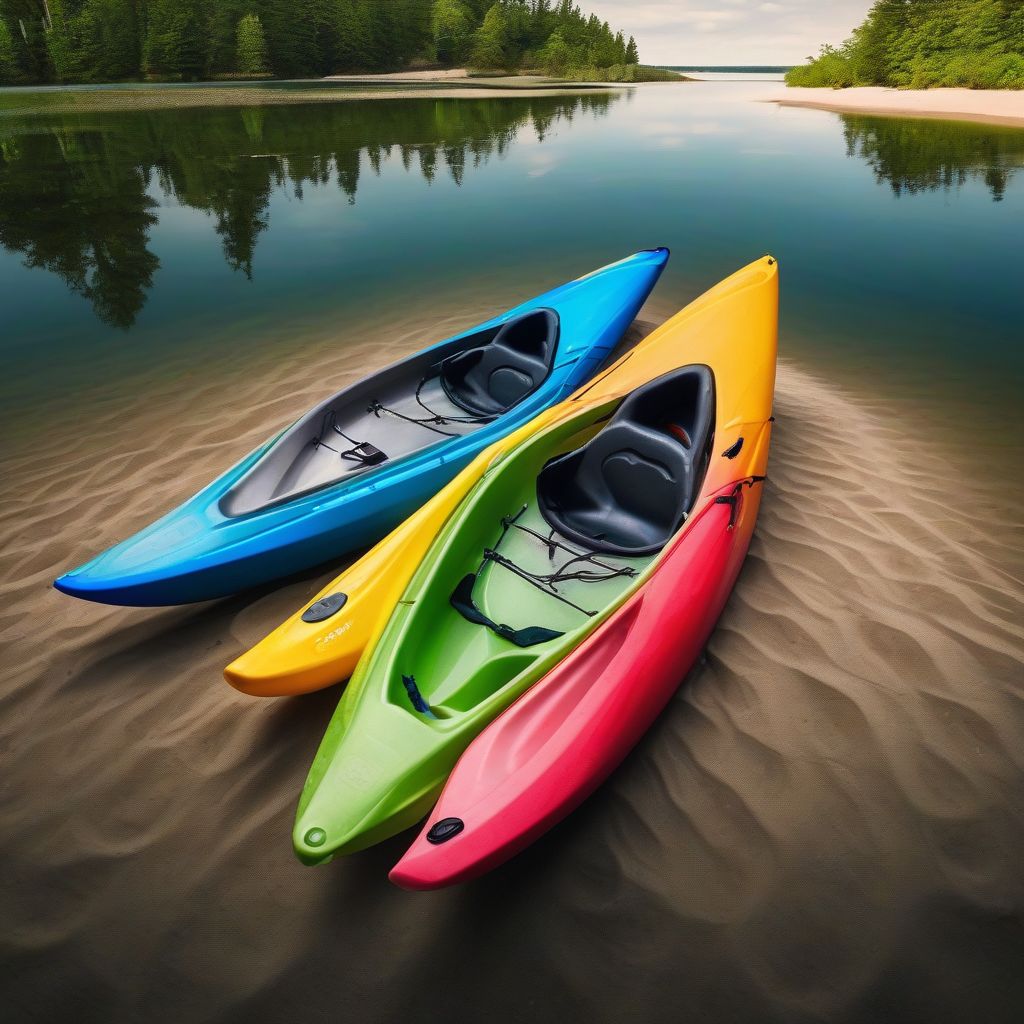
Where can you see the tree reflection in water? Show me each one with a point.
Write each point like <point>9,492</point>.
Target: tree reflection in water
<point>77,190</point>
<point>926,155</point>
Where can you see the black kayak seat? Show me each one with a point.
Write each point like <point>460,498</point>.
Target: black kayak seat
<point>628,490</point>
<point>490,379</point>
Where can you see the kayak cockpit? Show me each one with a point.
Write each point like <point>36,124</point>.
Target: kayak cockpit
<point>425,400</point>
<point>594,512</point>
<point>629,489</point>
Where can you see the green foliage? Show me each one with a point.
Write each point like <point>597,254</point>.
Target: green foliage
<point>92,40</point>
<point>9,70</point>
<point>581,47</point>
<point>922,44</point>
<point>452,29</point>
<point>251,46</point>
<point>831,69</point>
<point>492,43</point>
<point>555,55</point>
<point>626,73</point>
<point>101,40</point>
<point>28,29</point>
<point>175,44</point>
<point>221,41</point>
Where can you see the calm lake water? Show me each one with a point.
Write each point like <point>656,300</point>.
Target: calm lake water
<point>132,240</point>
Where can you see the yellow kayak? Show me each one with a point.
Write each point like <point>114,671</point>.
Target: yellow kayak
<point>322,642</point>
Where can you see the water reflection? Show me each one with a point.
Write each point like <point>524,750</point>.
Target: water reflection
<point>920,156</point>
<point>78,192</point>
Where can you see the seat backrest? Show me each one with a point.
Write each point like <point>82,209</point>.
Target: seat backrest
<point>492,378</point>
<point>630,487</point>
<point>643,473</point>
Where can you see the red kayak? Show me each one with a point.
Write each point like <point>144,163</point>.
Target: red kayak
<point>551,749</point>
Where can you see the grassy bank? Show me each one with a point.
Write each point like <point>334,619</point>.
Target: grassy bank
<point>926,44</point>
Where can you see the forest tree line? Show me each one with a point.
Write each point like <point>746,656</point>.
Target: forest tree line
<point>923,44</point>
<point>120,40</point>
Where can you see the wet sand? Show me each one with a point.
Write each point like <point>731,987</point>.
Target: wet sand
<point>989,106</point>
<point>825,824</point>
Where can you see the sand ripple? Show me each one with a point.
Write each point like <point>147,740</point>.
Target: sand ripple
<point>826,824</point>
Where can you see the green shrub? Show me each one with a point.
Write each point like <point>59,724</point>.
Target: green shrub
<point>251,46</point>
<point>925,44</point>
<point>832,69</point>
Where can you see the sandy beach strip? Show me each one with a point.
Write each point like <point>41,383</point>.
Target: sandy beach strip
<point>148,98</point>
<point>992,106</point>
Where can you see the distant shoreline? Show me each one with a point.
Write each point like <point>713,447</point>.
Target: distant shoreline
<point>987,106</point>
<point>23,102</point>
<point>451,84</point>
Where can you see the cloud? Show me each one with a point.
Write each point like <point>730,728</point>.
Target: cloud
<point>730,31</point>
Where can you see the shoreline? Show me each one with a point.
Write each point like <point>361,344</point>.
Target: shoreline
<point>93,99</point>
<point>448,84</point>
<point>104,101</point>
<point>984,106</point>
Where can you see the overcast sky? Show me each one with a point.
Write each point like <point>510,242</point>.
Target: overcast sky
<point>730,31</point>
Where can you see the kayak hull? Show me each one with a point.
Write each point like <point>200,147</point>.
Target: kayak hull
<point>538,761</point>
<point>191,581</point>
<point>198,552</point>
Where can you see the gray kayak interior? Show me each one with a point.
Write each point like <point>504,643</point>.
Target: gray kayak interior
<point>425,400</point>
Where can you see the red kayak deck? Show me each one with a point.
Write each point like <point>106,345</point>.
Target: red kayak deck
<point>550,750</point>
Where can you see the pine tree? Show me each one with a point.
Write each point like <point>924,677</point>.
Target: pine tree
<point>290,33</point>
<point>28,30</point>
<point>632,54</point>
<point>175,45</point>
<point>554,56</point>
<point>489,44</point>
<point>452,28</point>
<point>352,36</point>
<point>64,41</point>
<point>221,43</point>
<point>101,40</point>
<point>9,71</point>
<point>251,48</point>
<point>109,40</point>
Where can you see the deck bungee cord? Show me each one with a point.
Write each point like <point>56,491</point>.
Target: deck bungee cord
<point>732,499</point>
<point>547,583</point>
<point>434,419</point>
<point>361,451</point>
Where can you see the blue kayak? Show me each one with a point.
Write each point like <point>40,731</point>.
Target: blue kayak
<point>361,461</point>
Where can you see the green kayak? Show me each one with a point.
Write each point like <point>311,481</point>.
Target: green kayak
<point>551,540</point>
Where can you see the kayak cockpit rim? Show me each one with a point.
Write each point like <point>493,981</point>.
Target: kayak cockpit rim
<point>579,551</point>
<point>426,400</point>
